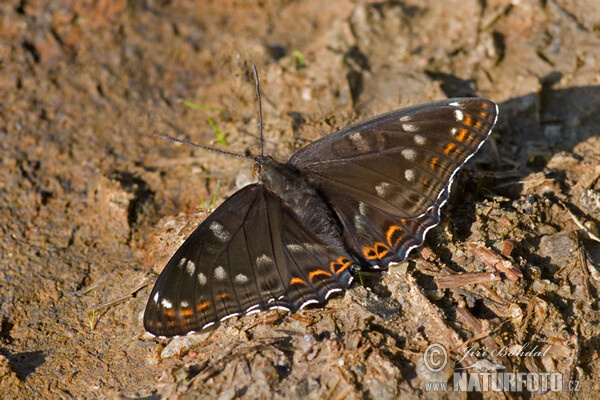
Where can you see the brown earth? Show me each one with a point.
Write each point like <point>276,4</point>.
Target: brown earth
<point>87,193</point>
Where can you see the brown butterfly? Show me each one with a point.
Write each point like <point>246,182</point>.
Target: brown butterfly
<point>357,199</point>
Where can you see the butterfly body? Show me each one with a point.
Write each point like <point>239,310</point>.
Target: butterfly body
<point>298,196</point>
<point>359,198</point>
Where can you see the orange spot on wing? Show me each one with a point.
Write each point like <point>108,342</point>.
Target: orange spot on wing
<point>434,162</point>
<point>450,147</point>
<point>317,273</point>
<point>297,280</point>
<point>471,122</point>
<point>170,313</point>
<point>339,265</point>
<point>464,134</point>
<point>222,296</point>
<point>202,306</point>
<point>390,234</point>
<point>375,252</point>
<point>468,121</point>
<point>188,312</point>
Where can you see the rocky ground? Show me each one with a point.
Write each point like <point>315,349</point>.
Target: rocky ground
<point>92,204</point>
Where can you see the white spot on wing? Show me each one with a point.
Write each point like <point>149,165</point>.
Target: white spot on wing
<point>219,231</point>
<point>382,189</point>
<point>279,308</point>
<point>166,303</point>
<point>332,291</point>
<point>420,140</point>
<point>454,131</point>
<point>459,115</point>
<point>314,247</point>
<point>307,302</point>
<point>409,174</point>
<point>362,208</point>
<point>241,279</point>
<point>156,297</point>
<point>359,223</point>
<point>229,316</point>
<point>409,154</point>
<point>264,261</point>
<point>202,279</point>
<point>358,141</point>
<point>220,273</point>
<point>254,307</point>
<point>454,104</point>
<point>190,267</point>
<point>184,304</point>
<point>294,248</point>
<point>410,127</point>
<point>406,118</point>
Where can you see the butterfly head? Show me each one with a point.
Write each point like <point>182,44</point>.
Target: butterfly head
<point>261,163</point>
<point>270,173</point>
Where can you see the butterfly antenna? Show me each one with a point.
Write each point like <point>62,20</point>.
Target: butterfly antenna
<point>227,153</point>
<point>260,126</point>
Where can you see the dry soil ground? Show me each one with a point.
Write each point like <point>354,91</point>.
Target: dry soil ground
<point>89,198</point>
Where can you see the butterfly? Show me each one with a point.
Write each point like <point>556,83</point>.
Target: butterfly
<point>355,200</point>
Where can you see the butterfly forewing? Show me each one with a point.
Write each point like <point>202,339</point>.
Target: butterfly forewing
<point>385,176</point>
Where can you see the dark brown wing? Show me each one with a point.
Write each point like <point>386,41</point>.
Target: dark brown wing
<point>250,254</point>
<point>387,178</point>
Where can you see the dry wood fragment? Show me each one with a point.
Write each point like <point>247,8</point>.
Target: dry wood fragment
<point>455,280</point>
<point>495,260</point>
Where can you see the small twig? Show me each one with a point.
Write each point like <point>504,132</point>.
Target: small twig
<point>495,260</point>
<point>267,318</point>
<point>92,310</point>
<point>481,329</point>
<point>456,280</point>
<point>479,336</point>
<point>578,222</point>
<point>427,253</point>
<point>304,320</point>
<point>507,248</point>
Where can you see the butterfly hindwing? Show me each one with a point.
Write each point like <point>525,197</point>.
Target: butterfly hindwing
<point>251,254</point>
<point>386,178</point>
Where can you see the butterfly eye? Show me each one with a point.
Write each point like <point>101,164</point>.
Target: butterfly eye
<point>257,169</point>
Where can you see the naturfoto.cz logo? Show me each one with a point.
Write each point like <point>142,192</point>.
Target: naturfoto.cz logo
<point>486,376</point>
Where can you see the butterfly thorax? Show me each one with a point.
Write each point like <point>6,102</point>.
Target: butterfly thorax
<point>280,178</point>
<point>298,195</point>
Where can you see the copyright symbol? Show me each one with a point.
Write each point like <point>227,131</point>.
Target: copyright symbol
<point>435,357</point>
